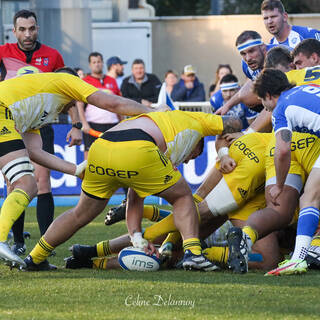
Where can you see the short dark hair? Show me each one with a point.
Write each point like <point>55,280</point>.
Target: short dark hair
<point>24,14</point>
<point>229,78</point>
<point>95,54</point>
<point>67,70</point>
<point>278,55</point>
<point>170,72</point>
<point>246,35</point>
<point>272,4</point>
<point>271,81</point>
<point>138,61</point>
<point>307,47</point>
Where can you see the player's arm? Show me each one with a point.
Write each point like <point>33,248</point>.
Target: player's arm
<point>244,95</point>
<point>85,125</point>
<point>134,216</point>
<point>282,159</point>
<point>247,96</point>
<point>227,164</point>
<point>33,143</point>
<point>262,123</point>
<point>118,104</point>
<point>74,136</point>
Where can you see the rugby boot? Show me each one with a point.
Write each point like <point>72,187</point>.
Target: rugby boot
<point>238,250</point>
<point>82,252</point>
<point>197,262</point>
<point>73,263</point>
<point>288,267</point>
<point>116,214</point>
<point>19,248</point>
<point>10,257</point>
<point>313,257</point>
<point>165,252</point>
<point>26,235</point>
<point>42,266</point>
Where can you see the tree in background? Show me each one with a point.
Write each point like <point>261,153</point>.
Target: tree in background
<point>181,7</point>
<point>202,7</point>
<point>253,6</point>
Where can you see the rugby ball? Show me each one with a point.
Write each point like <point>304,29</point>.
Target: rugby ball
<point>135,259</point>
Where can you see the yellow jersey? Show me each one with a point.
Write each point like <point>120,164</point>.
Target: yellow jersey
<point>36,99</point>
<point>304,76</point>
<point>182,130</point>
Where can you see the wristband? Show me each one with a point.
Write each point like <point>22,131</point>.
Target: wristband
<point>80,168</point>
<point>223,152</point>
<point>249,130</point>
<point>77,125</point>
<point>137,240</point>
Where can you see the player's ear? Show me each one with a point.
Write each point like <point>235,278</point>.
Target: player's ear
<point>314,56</point>
<point>285,16</point>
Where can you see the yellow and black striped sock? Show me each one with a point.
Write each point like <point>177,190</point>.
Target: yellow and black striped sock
<point>151,212</point>
<point>197,198</point>
<point>192,244</point>
<point>172,237</point>
<point>315,241</point>
<point>164,226</point>
<point>103,249</point>
<point>217,254</point>
<point>252,233</point>
<point>100,263</point>
<point>41,251</point>
<point>12,208</point>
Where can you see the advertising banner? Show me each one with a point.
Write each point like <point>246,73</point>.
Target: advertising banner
<point>63,184</point>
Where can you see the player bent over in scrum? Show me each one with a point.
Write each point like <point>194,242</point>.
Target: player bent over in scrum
<point>141,153</point>
<point>237,193</point>
<point>28,103</point>
<point>275,216</point>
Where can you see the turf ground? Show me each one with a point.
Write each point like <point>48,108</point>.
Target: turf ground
<point>96,294</point>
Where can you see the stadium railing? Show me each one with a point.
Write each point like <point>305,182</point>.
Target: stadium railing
<point>204,106</point>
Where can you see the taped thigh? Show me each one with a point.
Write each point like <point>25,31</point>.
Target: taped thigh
<point>17,168</point>
<point>220,200</point>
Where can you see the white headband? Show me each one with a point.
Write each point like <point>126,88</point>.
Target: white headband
<point>249,43</point>
<point>229,86</point>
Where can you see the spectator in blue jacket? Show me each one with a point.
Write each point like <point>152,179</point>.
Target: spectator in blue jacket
<point>189,88</point>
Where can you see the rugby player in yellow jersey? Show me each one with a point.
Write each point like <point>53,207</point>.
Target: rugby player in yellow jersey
<point>220,195</point>
<point>234,195</point>
<point>141,153</point>
<point>27,103</point>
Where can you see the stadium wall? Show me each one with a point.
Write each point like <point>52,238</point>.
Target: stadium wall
<point>206,41</point>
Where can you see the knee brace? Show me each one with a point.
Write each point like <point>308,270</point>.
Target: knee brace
<point>17,168</point>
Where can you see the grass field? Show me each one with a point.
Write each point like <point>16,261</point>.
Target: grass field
<point>92,294</point>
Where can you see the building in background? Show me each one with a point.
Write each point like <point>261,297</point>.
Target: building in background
<point>73,27</point>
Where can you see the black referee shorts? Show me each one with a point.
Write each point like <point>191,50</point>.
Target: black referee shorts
<point>47,136</point>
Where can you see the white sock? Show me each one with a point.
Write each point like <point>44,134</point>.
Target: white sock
<point>301,247</point>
